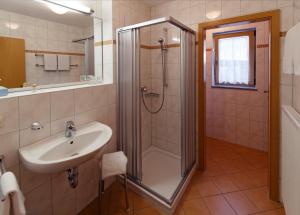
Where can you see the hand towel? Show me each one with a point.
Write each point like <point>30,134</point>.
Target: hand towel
<point>4,205</point>
<point>9,185</point>
<point>113,164</point>
<point>63,62</point>
<point>291,59</point>
<point>50,62</point>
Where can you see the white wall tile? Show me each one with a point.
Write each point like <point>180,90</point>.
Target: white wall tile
<point>34,108</point>
<point>10,115</point>
<point>9,145</point>
<point>29,136</point>
<point>250,6</point>
<point>231,8</point>
<point>62,104</point>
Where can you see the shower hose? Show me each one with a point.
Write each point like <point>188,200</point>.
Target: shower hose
<point>163,85</point>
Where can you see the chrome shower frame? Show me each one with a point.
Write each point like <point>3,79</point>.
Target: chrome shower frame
<point>189,169</point>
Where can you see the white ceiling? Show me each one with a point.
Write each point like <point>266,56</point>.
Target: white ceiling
<point>38,10</point>
<point>152,3</point>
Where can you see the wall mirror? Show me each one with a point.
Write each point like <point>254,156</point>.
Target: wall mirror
<point>49,43</point>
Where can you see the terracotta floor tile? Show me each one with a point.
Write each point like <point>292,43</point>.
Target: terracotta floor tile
<point>148,211</point>
<point>116,202</point>
<point>273,212</point>
<point>195,207</point>
<point>261,199</point>
<point>179,210</point>
<point>233,183</point>
<point>210,162</point>
<point>241,204</point>
<point>260,177</point>
<point>207,188</point>
<point>231,166</point>
<point>225,183</point>
<point>259,160</point>
<point>213,170</point>
<point>217,205</point>
<point>191,192</point>
<point>199,177</point>
<point>140,202</point>
<point>242,181</point>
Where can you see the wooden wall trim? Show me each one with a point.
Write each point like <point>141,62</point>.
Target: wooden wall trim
<point>105,42</point>
<point>283,34</point>
<point>262,46</point>
<point>172,45</point>
<point>274,96</point>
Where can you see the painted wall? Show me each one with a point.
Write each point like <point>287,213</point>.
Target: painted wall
<point>240,116</point>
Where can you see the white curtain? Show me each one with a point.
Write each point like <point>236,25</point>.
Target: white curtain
<point>233,64</point>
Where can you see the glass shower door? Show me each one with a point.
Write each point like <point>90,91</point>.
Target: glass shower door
<point>156,95</point>
<point>129,101</point>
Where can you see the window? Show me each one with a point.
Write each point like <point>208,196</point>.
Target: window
<point>234,59</point>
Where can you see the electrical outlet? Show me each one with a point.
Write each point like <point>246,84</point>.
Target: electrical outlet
<point>1,120</point>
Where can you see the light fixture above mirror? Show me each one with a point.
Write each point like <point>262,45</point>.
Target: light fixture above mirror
<point>62,7</point>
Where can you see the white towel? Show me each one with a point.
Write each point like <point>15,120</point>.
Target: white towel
<point>50,62</point>
<point>9,185</point>
<point>4,206</point>
<point>63,62</point>
<point>291,59</point>
<point>114,164</point>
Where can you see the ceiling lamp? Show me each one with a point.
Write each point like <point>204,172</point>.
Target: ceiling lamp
<point>12,26</point>
<point>213,14</point>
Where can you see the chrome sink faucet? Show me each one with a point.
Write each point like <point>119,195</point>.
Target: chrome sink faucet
<point>70,129</point>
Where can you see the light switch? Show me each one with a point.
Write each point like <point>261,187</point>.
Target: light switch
<point>1,120</point>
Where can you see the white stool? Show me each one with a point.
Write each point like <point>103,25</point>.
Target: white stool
<point>114,164</point>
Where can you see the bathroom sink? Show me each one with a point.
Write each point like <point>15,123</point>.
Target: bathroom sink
<point>58,153</point>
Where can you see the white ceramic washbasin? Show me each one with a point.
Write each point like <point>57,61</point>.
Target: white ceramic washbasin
<point>58,153</point>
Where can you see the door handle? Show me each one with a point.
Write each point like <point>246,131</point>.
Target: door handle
<point>266,91</point>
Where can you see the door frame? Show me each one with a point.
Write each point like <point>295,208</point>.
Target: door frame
<point>274,83</point>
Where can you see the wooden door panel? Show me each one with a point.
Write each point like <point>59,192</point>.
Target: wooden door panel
<point>12,62</point>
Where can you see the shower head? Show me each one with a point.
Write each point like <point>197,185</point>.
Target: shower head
<point>161,40</point>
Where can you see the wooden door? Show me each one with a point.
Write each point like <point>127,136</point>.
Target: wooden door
<point>12,62</point>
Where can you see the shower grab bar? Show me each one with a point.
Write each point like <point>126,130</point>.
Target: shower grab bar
<point>2,171</point>
<point>2,167</point>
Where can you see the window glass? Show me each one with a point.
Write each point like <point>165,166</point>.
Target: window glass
<point>234,65</point>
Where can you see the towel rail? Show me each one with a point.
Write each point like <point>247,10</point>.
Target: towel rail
<point>2,167</point>
<point>42,65</point>
<point>2,171</point>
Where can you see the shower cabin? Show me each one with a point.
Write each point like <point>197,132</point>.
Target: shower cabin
<point>157,106</point>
